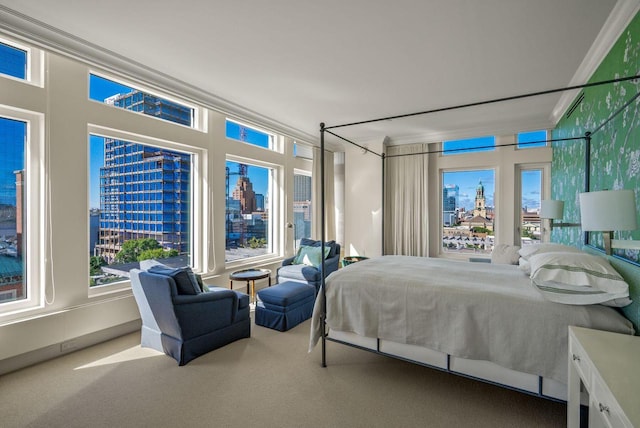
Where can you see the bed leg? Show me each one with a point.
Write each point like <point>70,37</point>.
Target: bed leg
<point>324,344</point>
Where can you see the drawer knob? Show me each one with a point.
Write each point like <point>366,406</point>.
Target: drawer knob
<point>603,408</point>
<point>575,357</point>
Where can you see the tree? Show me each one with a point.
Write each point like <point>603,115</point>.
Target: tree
<point>95,263</point>
<point>132,249</point>
<point>257,242</point>
<point>157,253</point>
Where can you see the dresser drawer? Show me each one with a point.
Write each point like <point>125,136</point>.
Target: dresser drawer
<point>603,403</point>
<point>580,360</point>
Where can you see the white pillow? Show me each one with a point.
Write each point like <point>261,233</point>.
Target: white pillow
<point>505,254</point>
<point>524,266</point>
<point>578,279</point>
<point>529,250</point>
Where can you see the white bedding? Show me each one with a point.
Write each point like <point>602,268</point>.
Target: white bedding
<point>478,311</point>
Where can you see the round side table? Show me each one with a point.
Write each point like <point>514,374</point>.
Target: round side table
<point>250,275</point>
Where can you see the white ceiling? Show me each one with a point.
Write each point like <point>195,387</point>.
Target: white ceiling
<point>297,63</point>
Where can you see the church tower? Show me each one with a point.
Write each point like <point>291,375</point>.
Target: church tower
<point>480,207</point>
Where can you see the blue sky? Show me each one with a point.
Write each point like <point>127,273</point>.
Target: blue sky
<point>12,138</point>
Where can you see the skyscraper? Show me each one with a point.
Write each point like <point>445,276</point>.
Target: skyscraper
<point>144,190</point>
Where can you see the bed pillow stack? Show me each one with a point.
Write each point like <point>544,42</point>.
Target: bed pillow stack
<point>531,250</point>
<point>577,278</point>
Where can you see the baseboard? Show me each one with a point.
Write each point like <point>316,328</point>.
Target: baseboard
<point>47,353</point>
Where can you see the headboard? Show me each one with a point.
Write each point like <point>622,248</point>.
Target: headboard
<point>631,273</point>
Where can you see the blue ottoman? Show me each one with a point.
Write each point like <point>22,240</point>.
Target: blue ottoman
<point>285,305</point>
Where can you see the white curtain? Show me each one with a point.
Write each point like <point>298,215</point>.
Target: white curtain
<point>329,196</point>
<point>406,205</point>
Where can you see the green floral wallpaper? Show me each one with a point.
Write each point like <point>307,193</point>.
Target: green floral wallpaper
<point>615,149</point>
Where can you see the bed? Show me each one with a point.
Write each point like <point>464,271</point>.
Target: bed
<point>486,321</point>
<point>479,320</point>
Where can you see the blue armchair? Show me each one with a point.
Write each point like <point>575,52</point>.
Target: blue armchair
<point>187,324</point>
<point>310,274</point>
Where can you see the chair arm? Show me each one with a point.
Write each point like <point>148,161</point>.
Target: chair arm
<point>205,312</point>
<point>288,261</point>
<point>331,264</point>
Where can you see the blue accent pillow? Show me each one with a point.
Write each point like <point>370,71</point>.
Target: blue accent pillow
<point>185,279</point>
<point>310,256</point>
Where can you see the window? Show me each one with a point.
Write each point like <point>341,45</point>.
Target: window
<point>468,214</point>
<point>302,151</point>
<point>248,226</point>
<point>140,207</point>
<point>13,134</point>
<point>531,139</point>
<point>479,144</point>
<point>13,61</point>
<point>531,195</point>
<point>302,208</point>
<point>129,98</point>
<point>247,134</point>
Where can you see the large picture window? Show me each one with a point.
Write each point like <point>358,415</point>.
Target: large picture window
<point>248,226</point>
<point>140,207</point>
<point>13,137</point>
<point>468,213</point>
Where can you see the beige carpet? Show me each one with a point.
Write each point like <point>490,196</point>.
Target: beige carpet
<point>268,380</point>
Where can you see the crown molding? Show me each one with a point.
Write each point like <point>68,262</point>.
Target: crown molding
<point>49,38</point>
<point>621,15</point>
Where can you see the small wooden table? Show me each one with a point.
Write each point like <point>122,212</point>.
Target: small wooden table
<point>250,275</point>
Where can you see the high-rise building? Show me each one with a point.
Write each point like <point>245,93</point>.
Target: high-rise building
<point>245,194</point>
<point>301,188</point>
<point>152,106</point>
<point>144,190</point>
<point>450,194</point>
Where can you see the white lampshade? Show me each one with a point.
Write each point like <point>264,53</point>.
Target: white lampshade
<point>551,209</point>
<point>608,210</point>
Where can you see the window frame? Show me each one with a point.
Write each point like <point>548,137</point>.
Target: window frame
<point>275,212</point>
<point>34,73</point>
<point>441,184</point>
<point>530,146</point>
<point>36,215</point>
<point>274,141</point>
<point>309,174</point>
<point>545,193</point>
<point>199,114</point>
<point>198,198</point>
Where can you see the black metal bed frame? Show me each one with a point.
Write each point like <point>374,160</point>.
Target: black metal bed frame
<point>327,130</point>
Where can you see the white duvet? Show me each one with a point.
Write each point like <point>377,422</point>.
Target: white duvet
<point>479,311</point>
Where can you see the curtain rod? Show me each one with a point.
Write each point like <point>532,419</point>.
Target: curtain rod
<point>479,103</point>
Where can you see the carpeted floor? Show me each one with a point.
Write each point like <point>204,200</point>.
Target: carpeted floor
<point>266,381</point>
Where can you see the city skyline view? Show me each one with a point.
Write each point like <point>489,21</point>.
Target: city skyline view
<point>101,89</point>
<point>467,181</point>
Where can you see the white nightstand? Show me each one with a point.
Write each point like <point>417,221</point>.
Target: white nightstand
<point>608,364</point>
